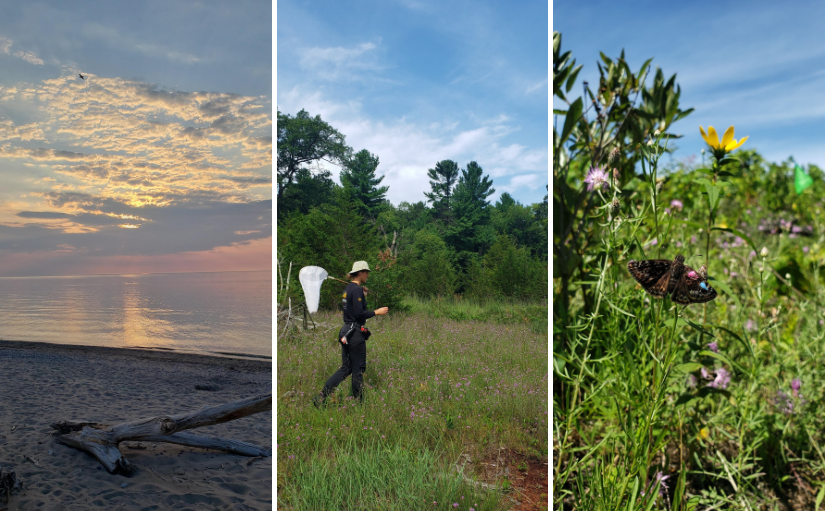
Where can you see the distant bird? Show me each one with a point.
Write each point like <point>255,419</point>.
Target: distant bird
<point>81,76</point>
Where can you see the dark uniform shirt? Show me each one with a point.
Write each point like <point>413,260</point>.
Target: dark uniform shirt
<point>355,305</point>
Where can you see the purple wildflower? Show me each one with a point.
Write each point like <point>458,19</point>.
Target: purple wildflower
<point>722,379</point>
<point>714,347</point>
<point>693,239</point>
<point>660,478</point>
<point>692,381</point>
<point>595,178</point>
<point>676,203</point>
<point>705,374</point>
<point>784,402</point>
<point>796,384</point>
<point>805,249</point>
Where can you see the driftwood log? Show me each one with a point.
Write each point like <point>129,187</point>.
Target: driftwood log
<point>101,440</point>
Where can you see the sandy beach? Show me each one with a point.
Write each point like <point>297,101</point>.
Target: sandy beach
<point>43,383</point>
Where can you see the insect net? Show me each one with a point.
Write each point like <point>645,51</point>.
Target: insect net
<point>311,278</point>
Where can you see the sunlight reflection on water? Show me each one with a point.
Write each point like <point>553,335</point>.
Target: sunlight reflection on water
<point>194,312</point>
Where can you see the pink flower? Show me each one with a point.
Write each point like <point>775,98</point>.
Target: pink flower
<point>796,384</point>
<point>722,379</point>
<point>714,347</point>
<point>595,178</point>
<point>675,203</point>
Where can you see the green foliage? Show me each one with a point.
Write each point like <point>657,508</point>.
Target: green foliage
<point>631,402</point>
<point>414,249</point>
<point>306,140</point>
<point>442,181</point>
<point>430,270</point>
<point>359,173</point>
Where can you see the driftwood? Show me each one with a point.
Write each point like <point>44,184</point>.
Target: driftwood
<point>101,440</point>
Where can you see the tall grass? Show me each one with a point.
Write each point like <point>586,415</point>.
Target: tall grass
<point>435,389</point>
<point>644,415</point>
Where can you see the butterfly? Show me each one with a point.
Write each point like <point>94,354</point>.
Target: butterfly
<point>661,277</point>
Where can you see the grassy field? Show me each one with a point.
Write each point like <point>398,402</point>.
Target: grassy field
<point>705,406</point>
<point>451,406</point>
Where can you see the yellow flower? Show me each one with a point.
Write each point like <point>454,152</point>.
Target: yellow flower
<point>727,144</point>
<point>704,433</point>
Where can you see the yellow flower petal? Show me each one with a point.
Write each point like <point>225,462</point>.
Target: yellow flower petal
<point>702,131</point>
<point>728,137</point>
<point>714,138</point>
<point>734,145</point>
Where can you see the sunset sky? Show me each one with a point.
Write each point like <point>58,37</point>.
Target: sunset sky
<point>159,161</point>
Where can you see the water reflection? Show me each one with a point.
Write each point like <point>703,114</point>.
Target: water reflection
<point>201,312</point>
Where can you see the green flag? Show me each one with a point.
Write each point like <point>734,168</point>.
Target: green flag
<point>802,180</point>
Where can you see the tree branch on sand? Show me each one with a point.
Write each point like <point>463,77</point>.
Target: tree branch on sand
<point>101,440</point>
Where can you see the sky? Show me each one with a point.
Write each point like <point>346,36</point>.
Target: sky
<point>416,82</point>
<point>160,160</point>
<point>756,65</point>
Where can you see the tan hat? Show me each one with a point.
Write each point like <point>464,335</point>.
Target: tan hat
<point>359,266</point>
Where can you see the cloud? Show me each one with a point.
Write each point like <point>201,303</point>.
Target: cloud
<point>407,150</point>
<point>339,63</point>
<point>28,56</point>
<point>118,39</point>
<point>188,170</point>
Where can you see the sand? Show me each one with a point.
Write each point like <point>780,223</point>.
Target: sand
<point>41,383</point>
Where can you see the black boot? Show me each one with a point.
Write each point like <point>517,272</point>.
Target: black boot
<point>319,400</point>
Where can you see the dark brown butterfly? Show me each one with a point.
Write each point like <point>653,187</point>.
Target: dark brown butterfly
<point>661,277</point>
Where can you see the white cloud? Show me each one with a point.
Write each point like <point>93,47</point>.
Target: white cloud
<point>337,63</point>
<point>407,150</point>
<point>29,57</point>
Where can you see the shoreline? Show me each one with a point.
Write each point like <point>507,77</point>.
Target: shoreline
<point>41,383</point>
<point>150,353</point>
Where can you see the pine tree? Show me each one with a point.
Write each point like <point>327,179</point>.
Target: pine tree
<point>442,181</point>
<point>359,173</point>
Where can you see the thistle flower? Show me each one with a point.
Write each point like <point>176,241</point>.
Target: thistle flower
<point>676,203</point>
<point>796,384</point>
<point>614,155</point>
<point>714,347</point>
<point>722,379</point>
<point>596,177</point>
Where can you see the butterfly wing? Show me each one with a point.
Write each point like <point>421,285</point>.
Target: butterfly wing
<point>652,274</point>
<point>694,290</point>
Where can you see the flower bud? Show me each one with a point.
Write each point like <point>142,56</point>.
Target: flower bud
<point>657,133</point>
<point>764,252</point>
<point>659,186</point>
<point>616,174</point>
<point>615,207</point>
<point>650,142</point>
<point>614,155</point>
<point>703,151</point>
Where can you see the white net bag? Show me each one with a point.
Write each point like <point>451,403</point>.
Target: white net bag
<point>311,278</point>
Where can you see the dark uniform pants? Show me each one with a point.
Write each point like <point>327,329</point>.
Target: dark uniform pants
<point>354,362</point>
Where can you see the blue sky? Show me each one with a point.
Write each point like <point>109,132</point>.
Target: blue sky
<point>416,82</point>
<point>759,66</point>
<point>160,160</point>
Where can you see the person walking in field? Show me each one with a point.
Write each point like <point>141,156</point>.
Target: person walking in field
<point>353,336</point>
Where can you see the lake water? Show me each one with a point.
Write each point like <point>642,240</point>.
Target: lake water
<point>208,313</point>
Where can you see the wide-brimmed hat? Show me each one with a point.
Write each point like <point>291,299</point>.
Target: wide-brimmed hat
<point>359,266</point>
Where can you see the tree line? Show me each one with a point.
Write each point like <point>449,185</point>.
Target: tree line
<point>452,242</point>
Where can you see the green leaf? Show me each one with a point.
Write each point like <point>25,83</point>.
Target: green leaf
<point>728,291</point>
<point>724,359</point>
<point>573,116</point>
<point>712,190</point>
<point>559,112</point>
<point>688,367</point>
<point>698,327</point>
<point>736,336</point>
<point>572,79</point>
<point>728,159</point>
<point>738,233</point>
<point>669,323</point>
<point>819,497</point>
